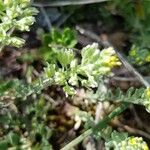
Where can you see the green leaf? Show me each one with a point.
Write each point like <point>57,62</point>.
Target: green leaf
<point>50,70</point>
<point>65,57</point>
<point>4,145</point>
<point>2,6</point>
<point>15,41</point>
<point>87,52</point>
<point>47,39</point>
<point>13,138</point>
<point>60,78</point>
<point>118,137</point>
<point>69,37</point>
<point>69,90</point>
<point>65,38</point>
<point>15,14</point>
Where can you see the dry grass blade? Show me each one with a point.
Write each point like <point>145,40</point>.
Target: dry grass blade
<point>132,69</point>
<point>66,2</point>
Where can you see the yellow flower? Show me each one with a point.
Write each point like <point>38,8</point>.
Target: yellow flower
<point>114,61</point>
<point>146,102</point>
<point>148,92</point>
<point>145,147</point>
<point>134,143</point>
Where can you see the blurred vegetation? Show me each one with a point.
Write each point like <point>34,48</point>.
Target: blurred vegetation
<point>56,92</point>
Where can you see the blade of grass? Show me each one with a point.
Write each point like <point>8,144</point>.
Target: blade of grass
<point>98,127</point>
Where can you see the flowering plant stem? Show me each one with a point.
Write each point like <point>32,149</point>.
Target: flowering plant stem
<point>99,126</point>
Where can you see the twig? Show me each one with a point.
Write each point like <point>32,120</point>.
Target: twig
<point>131,130</point>
<point>90,34</point>
<point>136,131</point>
<point>132,69</point>
<point>138,120</point>
<point>66,2</point>
<point>132,79</point>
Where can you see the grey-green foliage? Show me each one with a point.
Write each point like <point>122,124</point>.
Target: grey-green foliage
<point>114,139</point>
<point>15,141</point>
<point>15,14</point>
<point>132,95</point>
<point>71,72</point>
<point>121,141</point>
<point>34,122</point>
<point>15,88</point>
<point>68,71</point>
